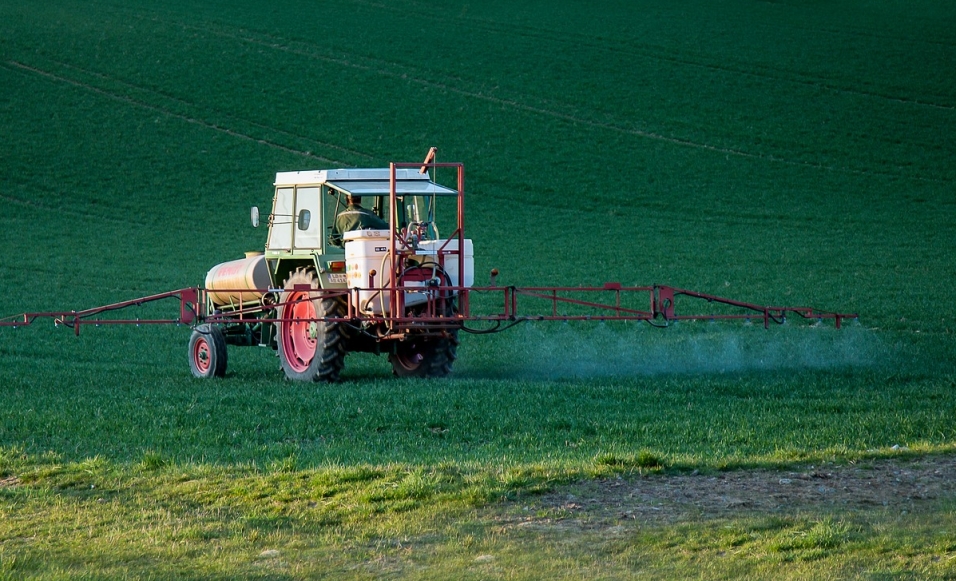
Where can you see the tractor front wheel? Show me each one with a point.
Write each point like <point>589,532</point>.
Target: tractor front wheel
<point>426,356</point>
<point>309,349</point>
<point>207,352</point>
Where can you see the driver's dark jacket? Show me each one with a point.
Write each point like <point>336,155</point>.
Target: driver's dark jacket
<point>354,217</point>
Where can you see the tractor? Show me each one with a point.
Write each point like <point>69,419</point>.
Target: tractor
<point>316,294</point>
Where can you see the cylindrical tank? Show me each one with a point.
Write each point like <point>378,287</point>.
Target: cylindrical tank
<point>235,282</point>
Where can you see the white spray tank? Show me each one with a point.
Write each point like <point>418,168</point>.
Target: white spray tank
<point>367,251</point>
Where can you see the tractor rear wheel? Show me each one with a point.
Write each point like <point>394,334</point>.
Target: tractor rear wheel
<point>309,349</point>
<point>426,356</point>
<point>207,352</point>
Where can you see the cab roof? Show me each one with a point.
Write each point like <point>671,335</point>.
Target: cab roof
<point>366,182</point>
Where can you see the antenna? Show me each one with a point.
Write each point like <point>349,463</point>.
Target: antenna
<point>428,159</point>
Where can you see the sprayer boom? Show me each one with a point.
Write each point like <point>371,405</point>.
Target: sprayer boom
<point>354,261</point>
<point>610,302</point>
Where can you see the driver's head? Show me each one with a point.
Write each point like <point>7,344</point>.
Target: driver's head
<point>355,200</point>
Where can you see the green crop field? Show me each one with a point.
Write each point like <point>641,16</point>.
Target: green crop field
<point>775,152</point>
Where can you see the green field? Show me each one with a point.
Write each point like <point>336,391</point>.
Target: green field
<point>776,152</point>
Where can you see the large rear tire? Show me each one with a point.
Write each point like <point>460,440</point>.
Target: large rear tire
<point>426,356</point>
<point>207,352</point>
<point>309,349</point>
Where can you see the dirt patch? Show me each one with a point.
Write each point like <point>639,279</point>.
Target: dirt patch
<point>9,482</point>
<point>897,484</point>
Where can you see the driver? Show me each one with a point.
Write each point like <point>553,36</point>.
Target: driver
<point>354,217</point>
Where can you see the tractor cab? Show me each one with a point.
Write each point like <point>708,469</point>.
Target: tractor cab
<point>306,203</point>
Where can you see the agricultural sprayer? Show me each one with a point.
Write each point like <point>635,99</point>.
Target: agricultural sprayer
<point>404,287</point>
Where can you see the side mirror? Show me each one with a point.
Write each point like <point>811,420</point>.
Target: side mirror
<point>305,217</point>
<point>254,214</point>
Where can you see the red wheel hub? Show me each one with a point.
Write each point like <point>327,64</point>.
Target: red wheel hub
<point>298,335</point>
<point>410,358</point>
<point>201,355</point>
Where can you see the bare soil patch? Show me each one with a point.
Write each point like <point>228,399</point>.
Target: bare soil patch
<point>893,484</point>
